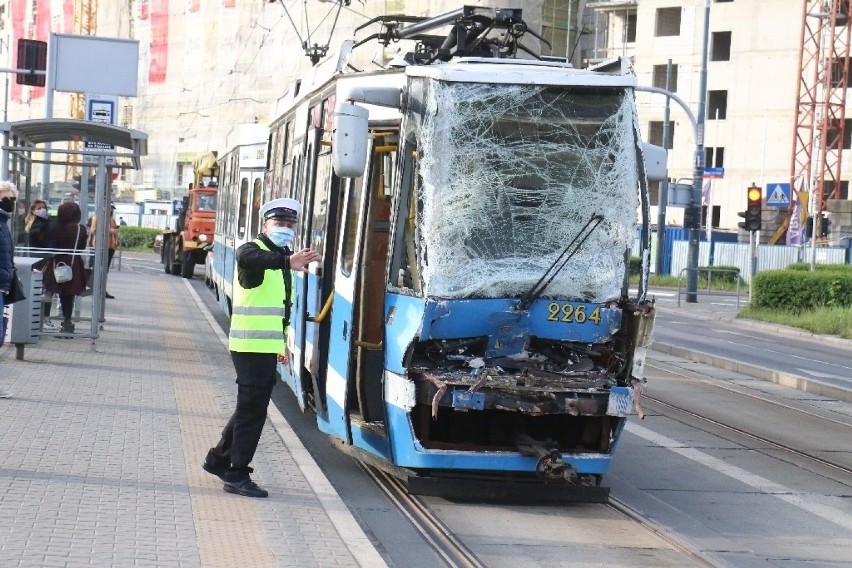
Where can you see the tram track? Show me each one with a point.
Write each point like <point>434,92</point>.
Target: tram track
<point>452,551</point>
<point>660,532</point>
<point>835,467</point>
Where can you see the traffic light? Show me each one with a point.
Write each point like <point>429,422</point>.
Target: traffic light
<point>824,226</point>
<point>754,207</point>
<point>78,180</point>
<point>824,223</point>
<point>32,55</point>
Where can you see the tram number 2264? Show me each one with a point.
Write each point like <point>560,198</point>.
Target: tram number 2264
<point>570,313</point>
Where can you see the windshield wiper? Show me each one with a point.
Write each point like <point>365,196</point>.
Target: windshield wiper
<point>567,253</point>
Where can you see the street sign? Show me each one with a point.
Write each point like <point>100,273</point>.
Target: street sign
<point>100,108</point>
<point>778,195</point>
<point>717,173</point>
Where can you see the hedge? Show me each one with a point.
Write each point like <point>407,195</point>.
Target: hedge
<point>795,290</point>
<point>136,237</point>
<point>806,266</point>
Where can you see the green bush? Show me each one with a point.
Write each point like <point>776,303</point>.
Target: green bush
<point>635,266</point>
<point>137,237</point>
<point>797,291</point>
<point>806,266</point>
<point>719,277</point>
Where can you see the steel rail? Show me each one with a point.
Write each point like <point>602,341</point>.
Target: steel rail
<point>661,533</point>
<point>756,437</point>
<point>452,551</point>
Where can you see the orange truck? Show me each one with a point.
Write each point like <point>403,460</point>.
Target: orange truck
<point>188,243</point>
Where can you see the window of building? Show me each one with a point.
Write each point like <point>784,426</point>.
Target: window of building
<point>714,157</point>
<point>659,79</point>
<point>655,133</point>
<point>715,220</point>
<point>834,132</point>
<point>717,105</point>
<point>630,28</point>
<point>554,18</point>
<point>720,49</point>
<point>668,22</point>
<point>844,188</point>
<point>840,71</point>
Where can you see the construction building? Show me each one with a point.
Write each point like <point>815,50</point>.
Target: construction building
<point>206,65</point>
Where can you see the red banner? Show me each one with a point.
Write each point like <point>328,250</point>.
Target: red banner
<point>159,41</point>
<point>18,14</point>
<point>229,3</point>
<point>68,17</point>
<point>143,9</point>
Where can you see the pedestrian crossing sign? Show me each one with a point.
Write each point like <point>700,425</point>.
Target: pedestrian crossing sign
<point>778,195</point>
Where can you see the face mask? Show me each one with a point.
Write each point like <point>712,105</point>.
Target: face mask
<point>281,236</point>
<point>7,204</point>
<point>41,212</point>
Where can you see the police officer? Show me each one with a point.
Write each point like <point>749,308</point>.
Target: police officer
<point>257,339</point>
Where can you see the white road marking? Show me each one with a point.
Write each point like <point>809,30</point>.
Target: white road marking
<point>803,501</point>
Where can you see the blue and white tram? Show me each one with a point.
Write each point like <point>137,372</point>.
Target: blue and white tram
<point>470,320</point>
<point>241,172</point>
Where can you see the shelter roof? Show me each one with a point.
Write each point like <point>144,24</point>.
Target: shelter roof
<point>48,130</point>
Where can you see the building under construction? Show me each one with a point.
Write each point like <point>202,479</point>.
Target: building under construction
<point>777,78</point>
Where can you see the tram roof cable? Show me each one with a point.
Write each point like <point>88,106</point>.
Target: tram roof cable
<point>315,52</point>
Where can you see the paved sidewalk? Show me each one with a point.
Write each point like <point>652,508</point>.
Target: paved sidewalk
<point>102,444</point>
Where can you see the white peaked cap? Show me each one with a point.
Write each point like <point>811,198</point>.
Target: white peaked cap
<point>281,208</point>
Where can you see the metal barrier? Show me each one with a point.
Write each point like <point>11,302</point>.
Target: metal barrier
<point>709,292</point>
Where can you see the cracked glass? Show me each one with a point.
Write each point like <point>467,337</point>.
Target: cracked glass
<point>508,175</point>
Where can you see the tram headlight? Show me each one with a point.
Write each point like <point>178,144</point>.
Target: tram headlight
<point>202,238</point>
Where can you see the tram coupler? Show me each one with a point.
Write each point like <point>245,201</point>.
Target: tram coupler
<point>550,465</point>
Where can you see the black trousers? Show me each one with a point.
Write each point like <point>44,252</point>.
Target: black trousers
<point>238,444</point>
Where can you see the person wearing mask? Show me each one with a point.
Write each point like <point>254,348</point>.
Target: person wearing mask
<point>257,339</point>
<point>8,195</point>
<point>37,225</point>
<point>71,236</point>
<point>38,229</point>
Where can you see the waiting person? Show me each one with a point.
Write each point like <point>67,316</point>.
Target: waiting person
<point>257,339</point>
<point>113,240</point>
<point>71,236</point>
<point>122,222</point>
<point>8,195</point>
<point>37,225</point>
<point>38,228</point>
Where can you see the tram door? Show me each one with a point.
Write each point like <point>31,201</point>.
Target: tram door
<point>322,209</point>
<point>356,357</point>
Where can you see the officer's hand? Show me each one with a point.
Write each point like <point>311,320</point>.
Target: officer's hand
<point>300,260</point>
<point>285,358</point>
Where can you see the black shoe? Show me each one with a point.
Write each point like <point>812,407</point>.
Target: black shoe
<point>246,488</point>
<point>217,470</point>
<point>109,296</point>
<point>67,326</point>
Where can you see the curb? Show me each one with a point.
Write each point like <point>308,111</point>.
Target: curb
<point>784,379</point>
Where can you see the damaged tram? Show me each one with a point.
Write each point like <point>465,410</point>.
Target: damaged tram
<point>470,326</point>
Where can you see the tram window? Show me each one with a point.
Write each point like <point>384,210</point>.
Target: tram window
<point>241,225</point>
<point>255,207</point>
<point>350,235</point>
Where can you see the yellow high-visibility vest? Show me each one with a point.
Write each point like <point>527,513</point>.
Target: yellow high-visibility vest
<point>257,316</point>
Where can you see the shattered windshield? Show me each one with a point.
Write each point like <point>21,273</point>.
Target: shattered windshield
<point>509,174</point>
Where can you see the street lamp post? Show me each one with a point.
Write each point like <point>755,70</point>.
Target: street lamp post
<point>694,208</point>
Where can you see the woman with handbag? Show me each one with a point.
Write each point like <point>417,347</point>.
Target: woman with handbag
<point>65,274</point>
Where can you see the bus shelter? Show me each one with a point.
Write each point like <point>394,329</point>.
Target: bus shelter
<point>98,150</point>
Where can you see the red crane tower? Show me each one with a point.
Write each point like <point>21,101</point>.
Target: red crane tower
<point>821,100</point>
